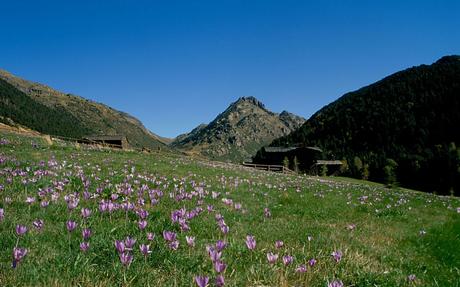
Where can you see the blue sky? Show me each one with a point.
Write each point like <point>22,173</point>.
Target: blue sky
<point>176,64</point>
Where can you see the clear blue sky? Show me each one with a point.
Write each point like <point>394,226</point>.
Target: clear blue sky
<point>176,64</point>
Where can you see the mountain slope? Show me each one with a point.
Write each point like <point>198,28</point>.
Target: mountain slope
<point>404,127</point>
<point>238,132</point>
<point>77,116</point>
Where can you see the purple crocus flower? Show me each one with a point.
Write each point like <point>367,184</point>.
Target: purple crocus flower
<point>272,258</point>
<point>129,243</point>
<point>145,249</point>
<point>214,254</point>
<point>220,245</point>
<point>21,229</point>
<point>287,259</point>
<point>301,268</point>
<point>190,240</point>
<point>126,258</point>
<point>335,283</point>
<point>220,281</point>
<point>312,262</point>
<point>18,254</point>
<point>150,236</point>
<point>85,212</point>
<point>38,224</point>
<point>224,228</point>
<point>267,212</point>
<point>2,214</point>
<point>86,233</point>
<point>411,277</point>
<point>142,224</point>
<point>202,281</point>
<point>71,225</point>
<point>219,266</point>
<point>169,235</point>
<point>337,255</point>
<point>84,246</point>
<point>120,246</point>
<point>250,242</point>
<point>279,244</point>
<point>174,245</point>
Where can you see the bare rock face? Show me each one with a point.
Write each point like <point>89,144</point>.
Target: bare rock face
<point>238,132</point>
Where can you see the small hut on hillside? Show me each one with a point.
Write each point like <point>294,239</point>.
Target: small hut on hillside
<point>300,158</point>
<point>115,141</point>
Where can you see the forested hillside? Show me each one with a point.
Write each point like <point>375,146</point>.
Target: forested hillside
<point>17,107</point>
<point>403,129</point>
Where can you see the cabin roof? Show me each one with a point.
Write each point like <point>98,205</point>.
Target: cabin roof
<point>328,162</point>
<point>105,137</point>
<point>272,149</point>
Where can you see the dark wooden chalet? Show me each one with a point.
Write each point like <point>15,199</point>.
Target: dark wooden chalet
<point>304,156</point>
<point>115,141</point>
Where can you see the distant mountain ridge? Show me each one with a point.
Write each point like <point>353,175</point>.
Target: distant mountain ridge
<point>238,132</point>
<point>78,116</point>
<point>403,128</point>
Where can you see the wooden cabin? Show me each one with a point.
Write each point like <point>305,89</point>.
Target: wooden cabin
<point>305,157</point>
<point>114,141</point>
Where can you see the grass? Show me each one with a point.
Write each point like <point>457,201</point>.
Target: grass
<point>398,232</point>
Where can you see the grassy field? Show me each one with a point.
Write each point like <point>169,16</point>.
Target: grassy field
<point>196,218</point>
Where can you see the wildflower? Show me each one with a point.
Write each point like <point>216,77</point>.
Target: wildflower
<point>250,242</point>
<point>143,214</point>
<point>85,212</point>
<point>224,228</point>
<point>458,209</point>
<point>190,240</point>
<point>287,259</point>
<point>84,246</point>
<point>126,258</point>
<point>145,249</point>
<point>150,236</point>
<point>129,243</point>
<point>337,255</point>
<point>309,238</point>
<point>86,233</point>
<point>38,224</point>
<point>169,235</point>
<point>312,262</point>
<point>174,245</point>
<point>220,245</point>
<point>202,281</point>
<point>18,254</point>
<point>214,254</point>
<point>21,230</point>
<point>279,244</point>
<point>272,258</point>
<point>30,200</point>
<point>142,224</point>
<point>120,246</point>
<point>335,283</point>
<point>301,268</point>
<point>2,214</point>
<point>219,266</point>
<point>220,281</point>
<point>422,232</point>
<point>71,225</point>
<point>411,277</point>
<point>267,212</point>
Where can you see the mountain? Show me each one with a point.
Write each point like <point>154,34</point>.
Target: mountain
<point>49,111</point>
<point>404,128</point>
<point>238,132</point>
